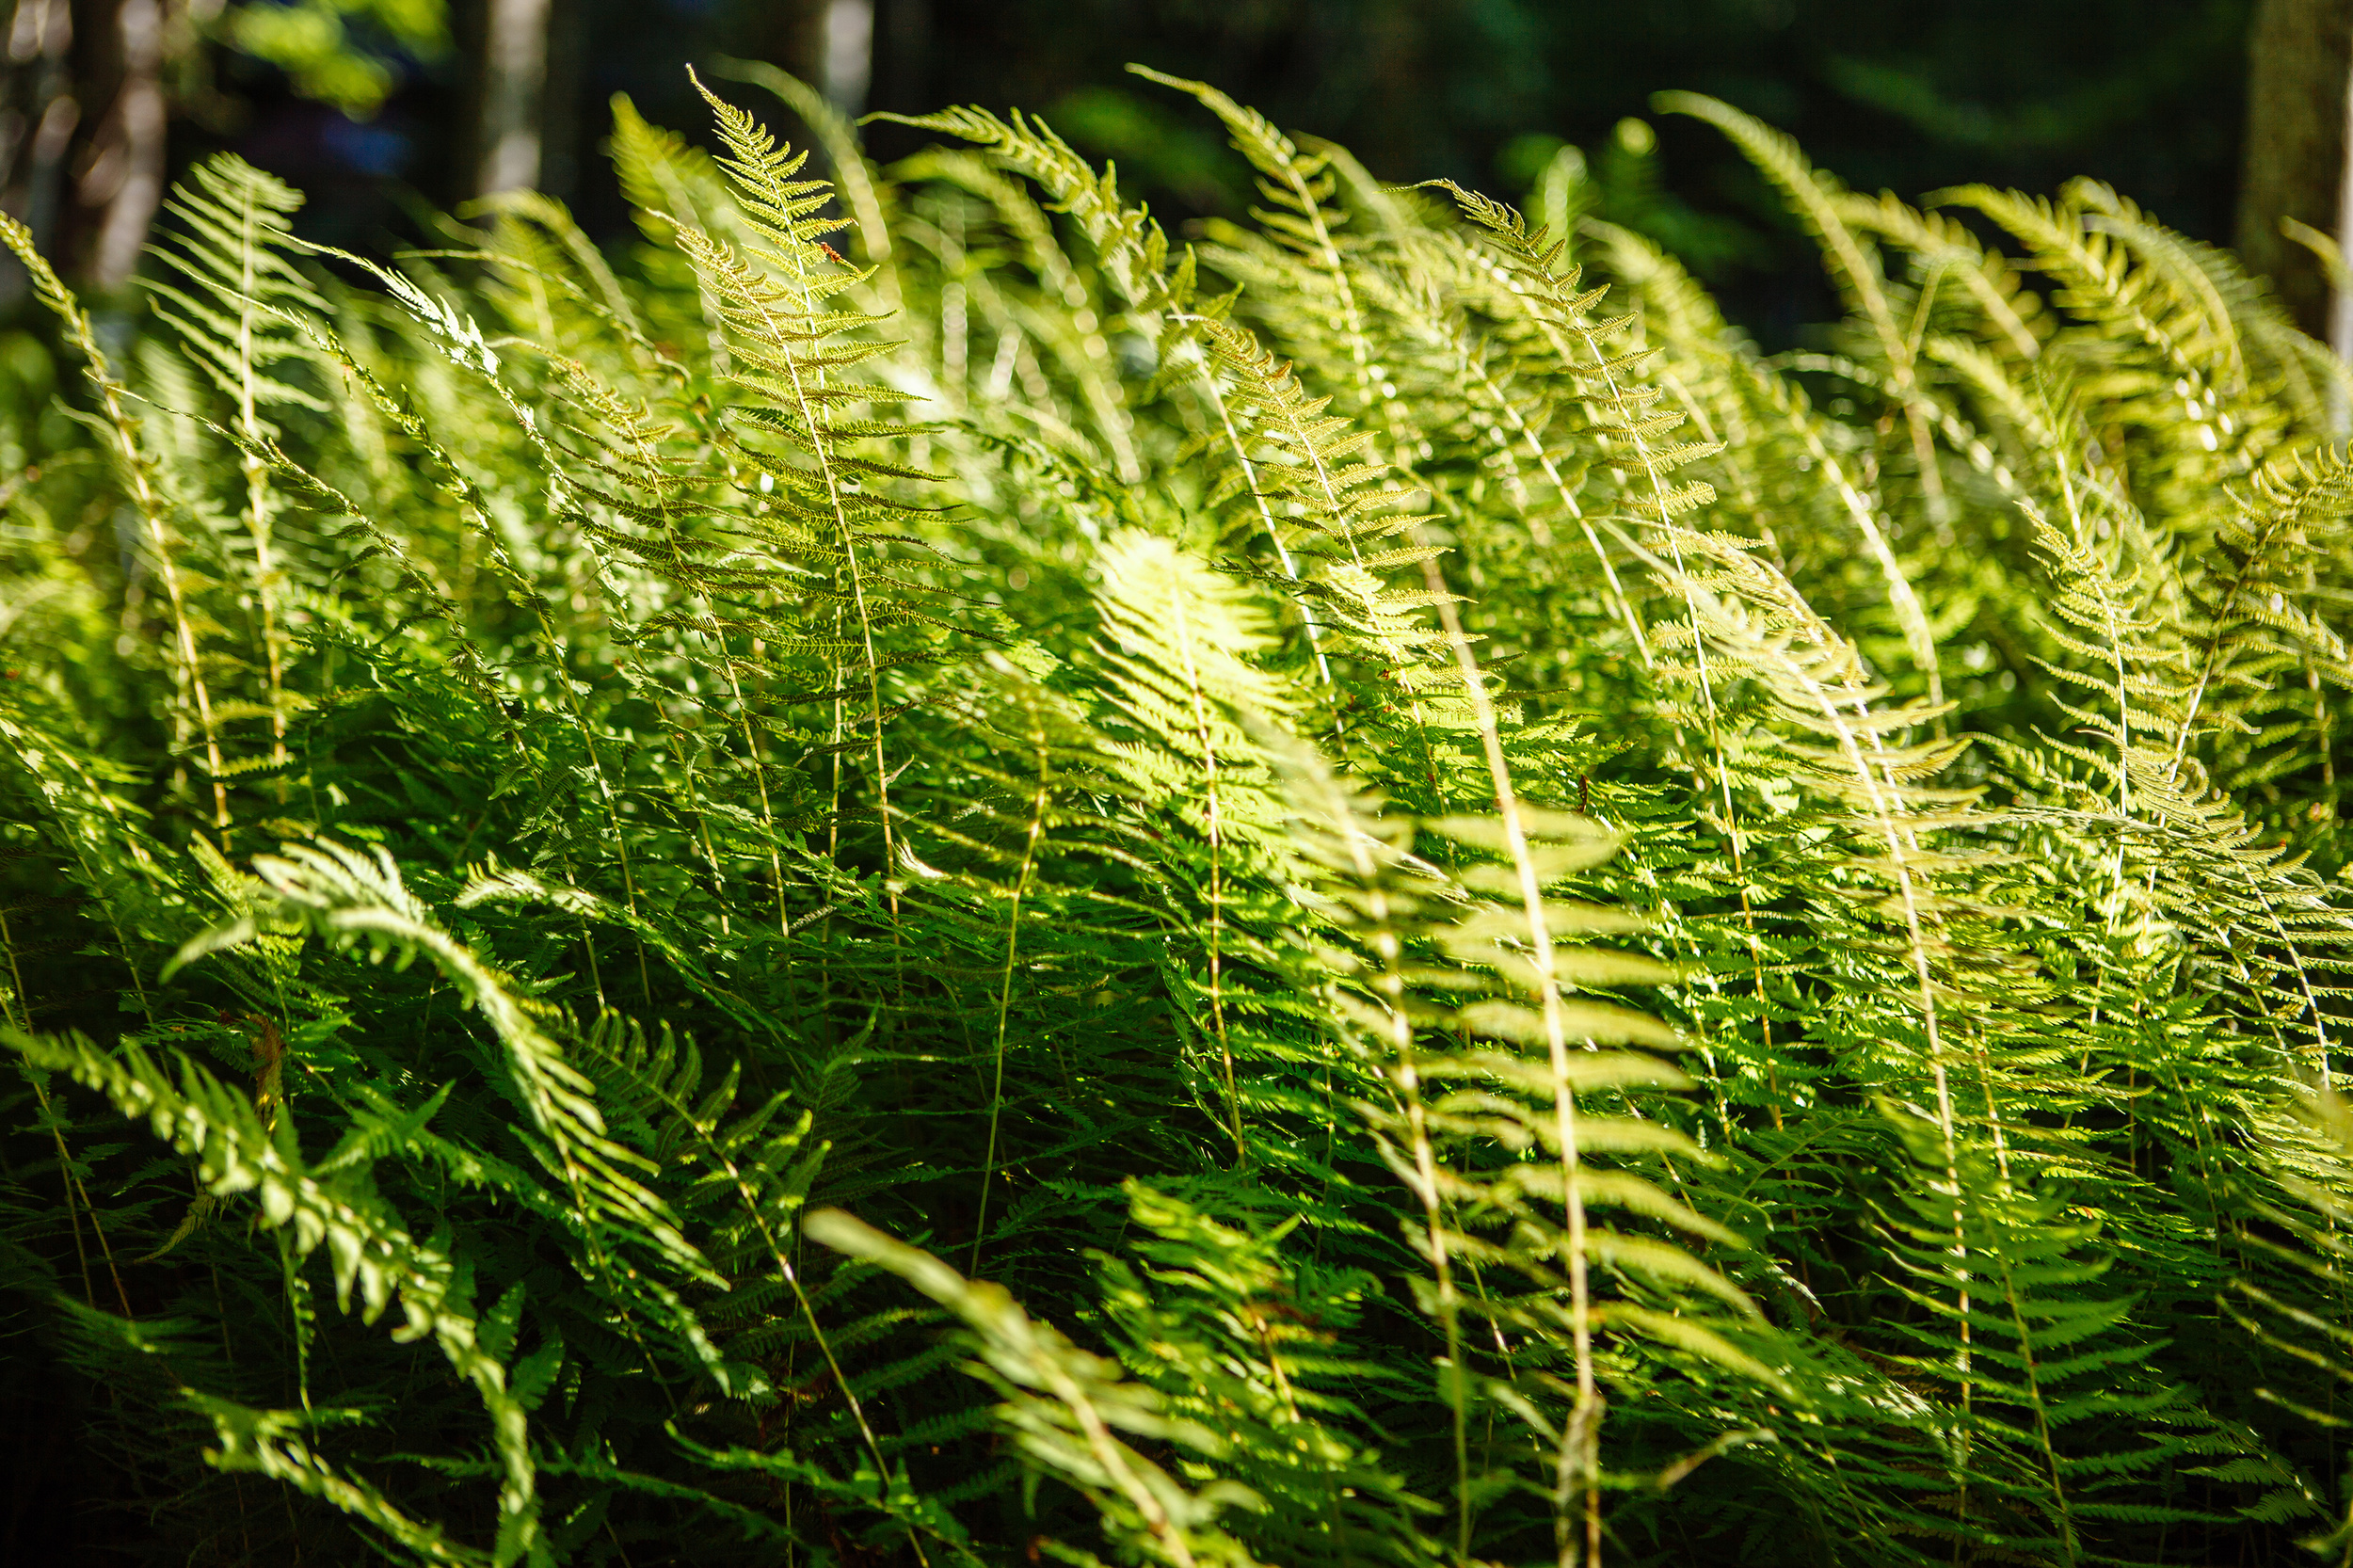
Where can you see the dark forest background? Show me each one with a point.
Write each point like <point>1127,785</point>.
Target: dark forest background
<point>2147,94</point>
<point>377,107</point>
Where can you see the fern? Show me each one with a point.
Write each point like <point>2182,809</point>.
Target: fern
<point>1495,925</point>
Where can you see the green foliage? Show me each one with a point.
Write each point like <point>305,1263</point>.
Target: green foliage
<point>1494,927</point>
<point>345,53</point>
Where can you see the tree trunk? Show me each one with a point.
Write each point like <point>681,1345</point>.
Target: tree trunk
<point>2299,60</point>
<point>513,79</point>
<point>118,173</point>
<point>36,123</point>
<point>848,62</point>
<point>83,126</point>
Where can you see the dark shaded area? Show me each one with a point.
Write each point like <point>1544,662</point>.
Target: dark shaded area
<point>2145,94</point>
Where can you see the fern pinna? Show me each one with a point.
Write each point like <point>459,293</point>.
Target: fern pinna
<point>1354,888</point>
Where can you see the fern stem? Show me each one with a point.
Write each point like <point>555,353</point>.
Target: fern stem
<point>123,430</point>
<point>1583,1432</point>
<point>16,1008</point>
<point>757,1213</point>
<point>1217,868</point>
<point>258,522</point>
<point>1909,612</point>
<point>1004,986</point>
<point>1208,381</point>
<point>816,419</point>
<point>1815,198</point>
<point>1502,406</point>
<point>1425,1185</point>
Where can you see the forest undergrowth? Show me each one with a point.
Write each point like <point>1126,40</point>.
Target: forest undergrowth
<point>915,875</point>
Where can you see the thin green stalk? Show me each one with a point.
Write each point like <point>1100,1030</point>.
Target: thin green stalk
<point>1029,839</point>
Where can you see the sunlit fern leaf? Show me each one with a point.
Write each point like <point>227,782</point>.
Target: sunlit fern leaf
<point>1247,1341</point>
<point>2301,1313</point>
<point>1067,1409</point>
<point>355,899</point>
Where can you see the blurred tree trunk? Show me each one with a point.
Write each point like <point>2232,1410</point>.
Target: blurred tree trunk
<point>2299,64</point>
<point>38,120</point>
<point>82,120</point>
<point>508,42</point>
<point>118,172</point>
<point>846,68</point>
<point>831,44</point>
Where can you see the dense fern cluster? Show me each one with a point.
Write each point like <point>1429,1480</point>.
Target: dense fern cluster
<point>923,876</point>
